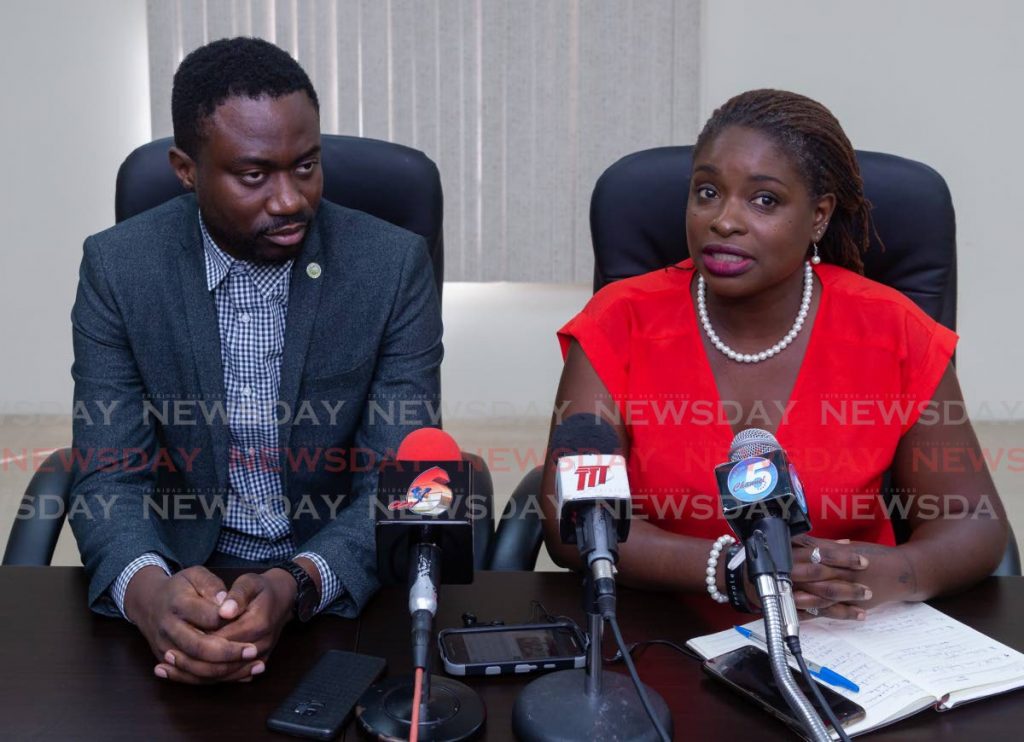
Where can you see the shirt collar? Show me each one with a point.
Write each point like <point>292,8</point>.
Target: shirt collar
<point>270,279</point>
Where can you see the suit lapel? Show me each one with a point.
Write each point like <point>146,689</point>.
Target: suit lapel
<point>305,287</point>
<point>201,316</point>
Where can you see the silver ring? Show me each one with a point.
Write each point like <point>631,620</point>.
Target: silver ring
<point>816,556</point>
<point>813,611</point>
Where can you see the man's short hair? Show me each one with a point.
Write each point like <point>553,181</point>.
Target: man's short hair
<point>222,69</point>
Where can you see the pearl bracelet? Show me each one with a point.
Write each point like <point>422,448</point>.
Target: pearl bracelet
<point>712,570</point>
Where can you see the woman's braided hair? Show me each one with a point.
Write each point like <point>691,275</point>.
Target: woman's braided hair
<point>809,133</point>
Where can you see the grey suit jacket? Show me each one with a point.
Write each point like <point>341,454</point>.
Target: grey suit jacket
<point>360,370</point>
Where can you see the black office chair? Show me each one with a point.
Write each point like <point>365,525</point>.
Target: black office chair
<point>519,536</point>
<point>390,181</point>
<point>638,224</point>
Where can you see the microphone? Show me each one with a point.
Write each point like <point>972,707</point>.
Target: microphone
<point>764,502</point>
<point>424,535</point>
<point>593,497</point>
<point>423,498</point>
<point>428,444</point>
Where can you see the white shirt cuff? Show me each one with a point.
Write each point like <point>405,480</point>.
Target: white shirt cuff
<point>331,588</point>
<point>120,586</point>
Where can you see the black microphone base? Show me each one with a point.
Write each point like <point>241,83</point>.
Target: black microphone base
<point>556,708</point>
<point>453,712</point>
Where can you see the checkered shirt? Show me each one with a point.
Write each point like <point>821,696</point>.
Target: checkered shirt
<point>252,305</point>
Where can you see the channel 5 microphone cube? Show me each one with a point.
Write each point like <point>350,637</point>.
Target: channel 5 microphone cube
<point>758,487</point>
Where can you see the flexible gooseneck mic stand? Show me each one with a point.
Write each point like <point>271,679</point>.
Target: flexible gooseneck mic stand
<point>781,622</point>
<point>773,598</point>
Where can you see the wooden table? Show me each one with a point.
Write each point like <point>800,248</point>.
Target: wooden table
<point>70,674</point>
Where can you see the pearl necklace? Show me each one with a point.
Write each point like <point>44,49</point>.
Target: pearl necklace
<point>764,355</point>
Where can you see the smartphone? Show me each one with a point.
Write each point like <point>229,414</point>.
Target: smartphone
<point>322,702</point>
<point>749,671</point>
<point>509,650</point>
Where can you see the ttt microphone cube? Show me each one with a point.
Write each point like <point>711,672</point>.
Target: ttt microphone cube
<point>425,502</point>
<point>587,480</point>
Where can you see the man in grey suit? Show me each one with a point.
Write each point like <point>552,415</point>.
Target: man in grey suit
<point>244,357</point>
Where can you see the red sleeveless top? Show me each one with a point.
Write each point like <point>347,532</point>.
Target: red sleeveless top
<point>872,364</point>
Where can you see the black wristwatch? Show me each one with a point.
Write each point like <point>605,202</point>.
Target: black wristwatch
<point>307,597</point>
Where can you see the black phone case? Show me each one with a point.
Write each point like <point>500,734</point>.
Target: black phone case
<point>518,667</point>
<point>854,711</point>
<point>323,700</point>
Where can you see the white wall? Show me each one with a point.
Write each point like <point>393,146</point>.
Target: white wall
<point>502,361</point>
<point>75,78</point>
<point>934,80</point>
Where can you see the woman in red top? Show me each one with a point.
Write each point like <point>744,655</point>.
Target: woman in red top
<point>771,324</point>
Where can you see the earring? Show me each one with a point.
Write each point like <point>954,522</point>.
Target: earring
<point>815,259</point>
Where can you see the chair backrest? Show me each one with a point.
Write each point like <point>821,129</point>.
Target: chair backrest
<point>390,181</point>
<point>638,223</point>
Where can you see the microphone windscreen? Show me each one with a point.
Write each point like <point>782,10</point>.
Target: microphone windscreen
<point>429,444</point>
<point>752,442</point>
<point>585,432</point>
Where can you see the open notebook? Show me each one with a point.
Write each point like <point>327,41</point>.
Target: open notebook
<point>905,657</point>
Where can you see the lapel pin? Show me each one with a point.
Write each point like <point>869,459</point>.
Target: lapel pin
<point>313,270</point>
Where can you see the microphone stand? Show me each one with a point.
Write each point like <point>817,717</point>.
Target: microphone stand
<point>449,710</point>
<point>592,682</point>
<point>585,704</point>
<point>780,620</point>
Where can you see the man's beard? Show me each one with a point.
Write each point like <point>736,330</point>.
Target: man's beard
<point>253,247</point>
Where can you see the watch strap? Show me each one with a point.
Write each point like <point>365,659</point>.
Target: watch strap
<point>734,579</point>
<point>305,587</point>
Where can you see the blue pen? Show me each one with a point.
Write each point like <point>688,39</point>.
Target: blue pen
<point>823,673</point>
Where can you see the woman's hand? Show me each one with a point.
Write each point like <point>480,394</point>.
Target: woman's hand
<point>841,579</point>
<point>829,578</point>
